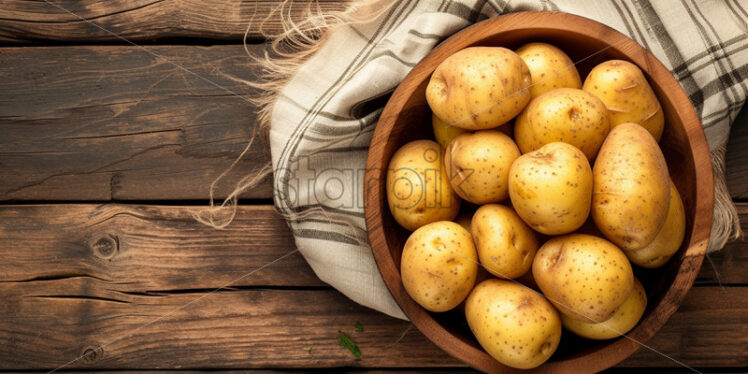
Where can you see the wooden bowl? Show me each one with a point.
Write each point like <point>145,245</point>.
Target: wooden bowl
<point>407,117</point>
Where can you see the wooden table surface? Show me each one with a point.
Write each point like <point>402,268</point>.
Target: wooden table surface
<point>106,151</point>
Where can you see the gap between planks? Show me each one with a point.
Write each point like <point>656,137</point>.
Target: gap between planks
<point>160,248</point>
<point>75,276</point>
<point>139,129</point>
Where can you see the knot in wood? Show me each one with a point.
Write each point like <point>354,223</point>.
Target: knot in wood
<point>92,353</point>
<point>105,247</point>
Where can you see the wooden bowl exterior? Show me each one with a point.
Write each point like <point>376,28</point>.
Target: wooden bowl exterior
<point>407,117</point>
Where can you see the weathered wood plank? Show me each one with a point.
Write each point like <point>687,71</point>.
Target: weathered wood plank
<point>729,265</point>
<point>148,248</point>
<point>162,248</point>
<point>118,123</point>
<point>694,333</point>
<point>47,324</point>
<point>145,20</point>
<point>62,289</point>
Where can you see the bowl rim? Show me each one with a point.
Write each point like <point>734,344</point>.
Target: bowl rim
<point>620,348</point>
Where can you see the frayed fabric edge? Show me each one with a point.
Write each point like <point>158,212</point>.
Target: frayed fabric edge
<point>726,222</point>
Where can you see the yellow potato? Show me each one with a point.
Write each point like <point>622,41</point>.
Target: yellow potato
<point>631,189</point>
<point>551,188</point>
<point>564,115</point>
<point>479,88</point>
<point>584,276</point>
<point>418,190</point>
<point>668,240</point>
<point>444,132</point>
<point>439,265</point>
<point>623,320</point>
<point>506,246</point>
<point>550,68</point>
<point>514,324</point>
<point>627,95</point>
<point>478,165</point>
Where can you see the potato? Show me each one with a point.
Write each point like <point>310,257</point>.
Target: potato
<point>551,188</point>
<point>418,190</point>
<point>584,276</point>
<point>439,265</point>
<point>564,115</point>
<point>631,189</point>
<point>549,67</point>
<point>444,132</point>
<point>623,320</point>
<point>514,324</point>
<point>506,246</point>
<point>478,165</point>
<point>627,95</point>
<point>668,240</point>
<point>479,88</point>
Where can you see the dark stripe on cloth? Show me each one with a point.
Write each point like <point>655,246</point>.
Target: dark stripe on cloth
<point>463,11</point>
<point>650,16</point>
<point>742,10</point>
<point>305,208</point>
<point>324,235</point>
<point>721,69</point>
<point>730,65</point>
<point>623,18</point>
<point>681,68</point>
<point>391,20</point>
<point>717,85</point>
<point>636,25</point>
<point>425,36</point>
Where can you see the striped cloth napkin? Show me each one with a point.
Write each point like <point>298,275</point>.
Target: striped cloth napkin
<point>322,121</point>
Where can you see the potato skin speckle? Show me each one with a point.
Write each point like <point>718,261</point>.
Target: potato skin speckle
<point>627,95</point>
<point>623,320</point>
<point>631,187</point>
<point>549,67</point>
<point>478,165</point>
<point>506,246</point>
<point>551,188</point>
<point>418,190</point>
<point>585,277</point>
<point>564,115</point>
<point>514,324</point>
<point>439,265</point>
<point>479,87</point>
<point>668,240</point>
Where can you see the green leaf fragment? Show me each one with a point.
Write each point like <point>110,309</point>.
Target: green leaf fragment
<point>359,328</point>
<point>308,349</point>
<point>346,342</point>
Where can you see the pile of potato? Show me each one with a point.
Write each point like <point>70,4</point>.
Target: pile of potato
<point>563,186</point>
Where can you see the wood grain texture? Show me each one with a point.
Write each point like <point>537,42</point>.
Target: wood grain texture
<point>729,265</point>
<point>62,286</point>
<point>157,132</point>
<point>59,241</point>
<point>145,248</point>
<point>683,144</point>
<point>48,323</point>
<point>146,20</point>
<point>118,123</point>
